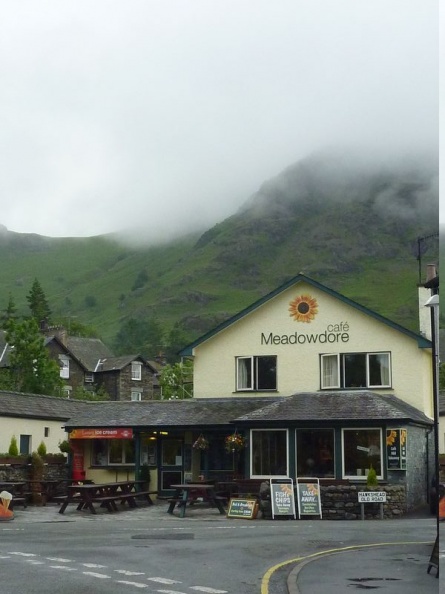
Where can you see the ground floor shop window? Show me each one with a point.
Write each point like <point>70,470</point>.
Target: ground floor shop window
<point>315,452</point>
<point>106,452</point>
<point>362,448</point>
<point>269,453</point>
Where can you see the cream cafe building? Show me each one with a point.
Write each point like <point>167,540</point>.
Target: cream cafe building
<point>351,389</point>
<point>316,385</point>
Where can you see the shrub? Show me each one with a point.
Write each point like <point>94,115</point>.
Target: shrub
<point>64,446</point>
<point>41,450</point>
<point>13,448</point>
<point>371,479</point>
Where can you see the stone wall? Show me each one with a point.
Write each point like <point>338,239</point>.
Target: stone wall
<point>20,473</point>
<point>340,502</point>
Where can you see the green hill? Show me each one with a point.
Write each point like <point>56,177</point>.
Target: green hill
<point>347,222</point>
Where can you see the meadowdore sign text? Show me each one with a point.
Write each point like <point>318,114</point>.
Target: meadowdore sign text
<point>334,333</point>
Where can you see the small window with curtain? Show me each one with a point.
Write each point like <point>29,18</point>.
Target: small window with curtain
<point>256,373</point>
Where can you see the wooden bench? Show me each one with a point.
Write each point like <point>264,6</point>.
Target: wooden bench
<point>146,495</point>
<point>18,501</point>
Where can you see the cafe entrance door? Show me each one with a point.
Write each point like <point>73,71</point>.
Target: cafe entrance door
<point>171,469</point>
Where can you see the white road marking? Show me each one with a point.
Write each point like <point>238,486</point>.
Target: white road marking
<point>208,590</point>
<point>5,557</point>
<point>135,584</point>
<point>101,576</point>
<point>125,572</point>
<point>23,554</point>
<point>93,565</point>
<point>171,592</point>
<point>163,580</point>
<point>32,562</point>
<point>59,560</point>
<point>65,567</point>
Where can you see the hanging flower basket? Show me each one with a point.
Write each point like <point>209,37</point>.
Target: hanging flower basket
<point>235,443</point>
<point>201,443</point>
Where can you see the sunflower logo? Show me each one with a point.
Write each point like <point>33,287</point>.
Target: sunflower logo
<point>303,308</point>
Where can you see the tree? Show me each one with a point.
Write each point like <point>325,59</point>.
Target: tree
<point>9,314</point>
<point>143,337</point>
<point>31,368</point>
<point>38,303</point>
<point>176,340</point>
<point>176,381</point>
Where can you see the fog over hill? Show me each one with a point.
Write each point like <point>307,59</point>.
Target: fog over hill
<point>347,219</point>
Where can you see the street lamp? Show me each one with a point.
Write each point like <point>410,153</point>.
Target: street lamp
<point>433,304</point>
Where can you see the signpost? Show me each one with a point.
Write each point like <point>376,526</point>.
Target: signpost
<point>309,497</point>
<point>282,497</point>
<point>371,497</point>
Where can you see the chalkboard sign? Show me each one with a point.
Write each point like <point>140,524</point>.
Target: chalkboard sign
<point>309,500</point>
<point>282,497</point>
<point>434,559</point>
<point>243,508</point>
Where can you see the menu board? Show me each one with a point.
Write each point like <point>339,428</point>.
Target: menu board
<point>309,500</point>
<point>282,497</point>
<point>243,508</point>
<point>396,449</point>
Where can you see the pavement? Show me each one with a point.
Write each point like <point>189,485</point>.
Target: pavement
<point>408,564</point>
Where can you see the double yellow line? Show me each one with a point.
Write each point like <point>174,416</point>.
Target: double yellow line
<point>269,573</point>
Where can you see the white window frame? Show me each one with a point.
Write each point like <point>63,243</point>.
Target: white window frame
<point>240,388</point>
<point>64,366</point>
<point>136,371</point>
<point>89,378</point>
<point>322,375</point>
<point>136,395</point>
<point>341,372</point>
<point>278,429</point>
<point>382,459</point>
<point>253,387</point>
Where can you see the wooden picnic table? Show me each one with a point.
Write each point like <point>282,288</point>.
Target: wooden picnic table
<point>190,493</point>
<point>48,488</point>
<point>105,494</point>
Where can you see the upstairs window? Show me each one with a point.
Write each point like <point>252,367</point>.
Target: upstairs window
<point>64,363</point>
<point>136,370</point>
<point>256,373</point>
<point>356,370</point>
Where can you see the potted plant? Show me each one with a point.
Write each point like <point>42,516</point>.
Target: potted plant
<point>235,443</point>
<point>371,479</point>
<point>65,446</point>
<point>144,475</point>
<point>201,443</point>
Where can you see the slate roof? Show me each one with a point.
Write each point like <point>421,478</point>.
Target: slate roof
<point>88,351</point>
<point>421,340</point>
<point>305,407</point>
<point>35,406</point>
<point>112,363</point>
<point>166,413</point>
<point>336,406</point>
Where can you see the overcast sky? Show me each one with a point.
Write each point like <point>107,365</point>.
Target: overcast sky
<point>169,113</point>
